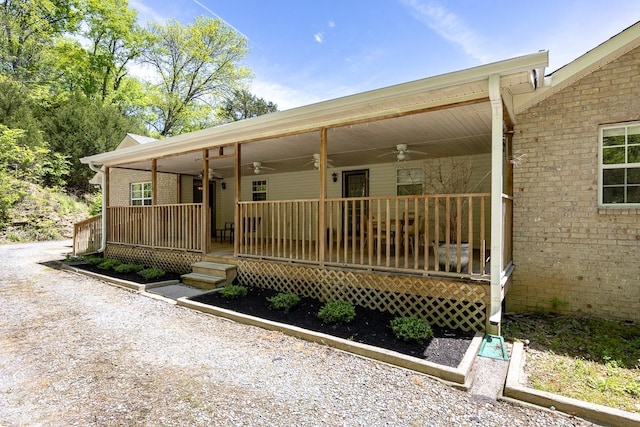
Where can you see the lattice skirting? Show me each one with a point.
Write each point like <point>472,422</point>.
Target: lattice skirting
<point>175,261</point>
<point>439,301</point>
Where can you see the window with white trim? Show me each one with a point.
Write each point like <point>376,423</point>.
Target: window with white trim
<point>259,190</point>
<point>141,193</point>
<point>620,165</point>
<point>409,181</point>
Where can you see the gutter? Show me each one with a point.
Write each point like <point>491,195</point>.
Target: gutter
<point>103,240</point>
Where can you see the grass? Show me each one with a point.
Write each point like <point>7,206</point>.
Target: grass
<point>586,358</point>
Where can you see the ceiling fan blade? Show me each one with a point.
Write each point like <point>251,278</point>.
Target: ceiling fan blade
<point>389,154</point>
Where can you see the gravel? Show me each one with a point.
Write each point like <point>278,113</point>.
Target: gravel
<point>78,351</point>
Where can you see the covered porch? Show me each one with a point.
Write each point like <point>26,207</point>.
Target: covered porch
<point>345,185</point>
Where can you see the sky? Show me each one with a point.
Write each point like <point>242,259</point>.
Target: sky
<point>306,51</point>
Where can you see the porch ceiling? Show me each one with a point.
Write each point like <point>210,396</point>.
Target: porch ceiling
<point>442,116</point>
<point>454,131</point>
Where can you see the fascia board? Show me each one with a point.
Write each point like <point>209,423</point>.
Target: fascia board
<point>315,116</point>
<point>597,57</point>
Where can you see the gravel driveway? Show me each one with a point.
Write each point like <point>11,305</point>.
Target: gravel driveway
<point>78,351</point>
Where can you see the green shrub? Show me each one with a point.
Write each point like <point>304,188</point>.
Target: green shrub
<point>337,312</point>
<point>93,260</point>
<point>411,329</point>
<point>284,301</point>
<point>109,264</point>
<point>129,268</point>
<point>151,273</point>
<point>233,291</point>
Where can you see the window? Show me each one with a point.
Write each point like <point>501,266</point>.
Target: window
<point>259,190</point>
<point>141,193</point>
<point>409,181</point>
<point>620,165</point>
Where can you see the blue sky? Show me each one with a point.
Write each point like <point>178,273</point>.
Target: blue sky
<point>304,51</point>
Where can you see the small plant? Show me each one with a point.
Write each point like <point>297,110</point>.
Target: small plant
<point>284,301</point>
<point>233,291</point>
<point>151,273</point>
<point>557,303</point>
<point>129,268</point>
<point>93,260</point>
<point>109,264</point>
<point>411,329</point>
<point>337,312</point>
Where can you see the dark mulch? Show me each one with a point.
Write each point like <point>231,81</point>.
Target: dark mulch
<point>131,277</point>
<point>447,347</point>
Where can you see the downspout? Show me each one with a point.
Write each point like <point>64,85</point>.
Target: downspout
<point>497,123</point>
<point>103,240</point>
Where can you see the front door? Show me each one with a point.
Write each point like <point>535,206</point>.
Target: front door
<point>355,184</point>
<point>197,198</point>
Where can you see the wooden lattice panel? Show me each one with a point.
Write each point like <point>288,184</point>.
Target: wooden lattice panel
<point>439,301</point>
<point>175,261</point>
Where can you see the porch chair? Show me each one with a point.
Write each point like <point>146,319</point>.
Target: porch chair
<point>227,230</point>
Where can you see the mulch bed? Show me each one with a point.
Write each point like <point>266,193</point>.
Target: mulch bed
<point>131,277</point>
<point>447,347</point>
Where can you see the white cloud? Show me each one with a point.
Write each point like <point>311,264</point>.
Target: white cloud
<point>146,13</point>
<point>450,27</point>
<point>332,24</point>
<point>284,97</point>
<point>318,37</point>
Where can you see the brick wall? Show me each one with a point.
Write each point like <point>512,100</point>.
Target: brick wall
<point>565,247</point>
<point>121,180</point>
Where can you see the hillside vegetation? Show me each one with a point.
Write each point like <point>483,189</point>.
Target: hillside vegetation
<point>38,213</point>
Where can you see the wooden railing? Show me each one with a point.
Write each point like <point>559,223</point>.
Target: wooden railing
<point>431,233</point>
<point>176,226</point>
<point>87,236</point>
<point>280,229</point>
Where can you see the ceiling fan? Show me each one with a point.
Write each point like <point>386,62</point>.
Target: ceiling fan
<point>258,167</point>
<point>315,160</point>
<point>401,152</point>
<point>212,174</point>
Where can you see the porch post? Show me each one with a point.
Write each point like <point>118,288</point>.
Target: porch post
<point>154,201</point>
<point>206,222</point>
<point>323,196</point>
<point>497,123</point>
<point>236,198</point>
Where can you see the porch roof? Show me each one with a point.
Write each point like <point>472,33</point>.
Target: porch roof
<point>445,115</point>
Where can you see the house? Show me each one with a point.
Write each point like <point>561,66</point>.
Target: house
<point>351,198</point>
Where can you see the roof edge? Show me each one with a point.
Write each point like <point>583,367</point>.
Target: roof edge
<point>312,115</point>
<point>611,49</point>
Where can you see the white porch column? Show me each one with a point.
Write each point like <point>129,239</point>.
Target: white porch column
<point>497,125</point>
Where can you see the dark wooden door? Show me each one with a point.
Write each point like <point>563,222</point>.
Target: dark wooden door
<point>197,198</point>
<point>355,184</point>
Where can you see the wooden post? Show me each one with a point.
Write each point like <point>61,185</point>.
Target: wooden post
<point>497,124</point>
<point>323,196</point>
<point>206,222</point>
<point>154,201</point>
<point>237,176</point>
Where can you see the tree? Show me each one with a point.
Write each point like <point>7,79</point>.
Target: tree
<point>243,105</point>
<point>77,127</point>
<point>116,40</point>
<point>27,30</point>
<point>195,66</point>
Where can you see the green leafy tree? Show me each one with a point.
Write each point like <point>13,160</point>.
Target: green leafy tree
<point>244,105</point>
<point>78,127</point>
<point>28,29</point>
<point>116,40</point>
<point>196,66</point>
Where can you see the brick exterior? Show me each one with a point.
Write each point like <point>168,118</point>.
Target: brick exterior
<point>121,180</point>
<point>564,246</point>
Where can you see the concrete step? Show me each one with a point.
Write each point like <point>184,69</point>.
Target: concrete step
<point>227,271</point>
<point>203,281</point>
